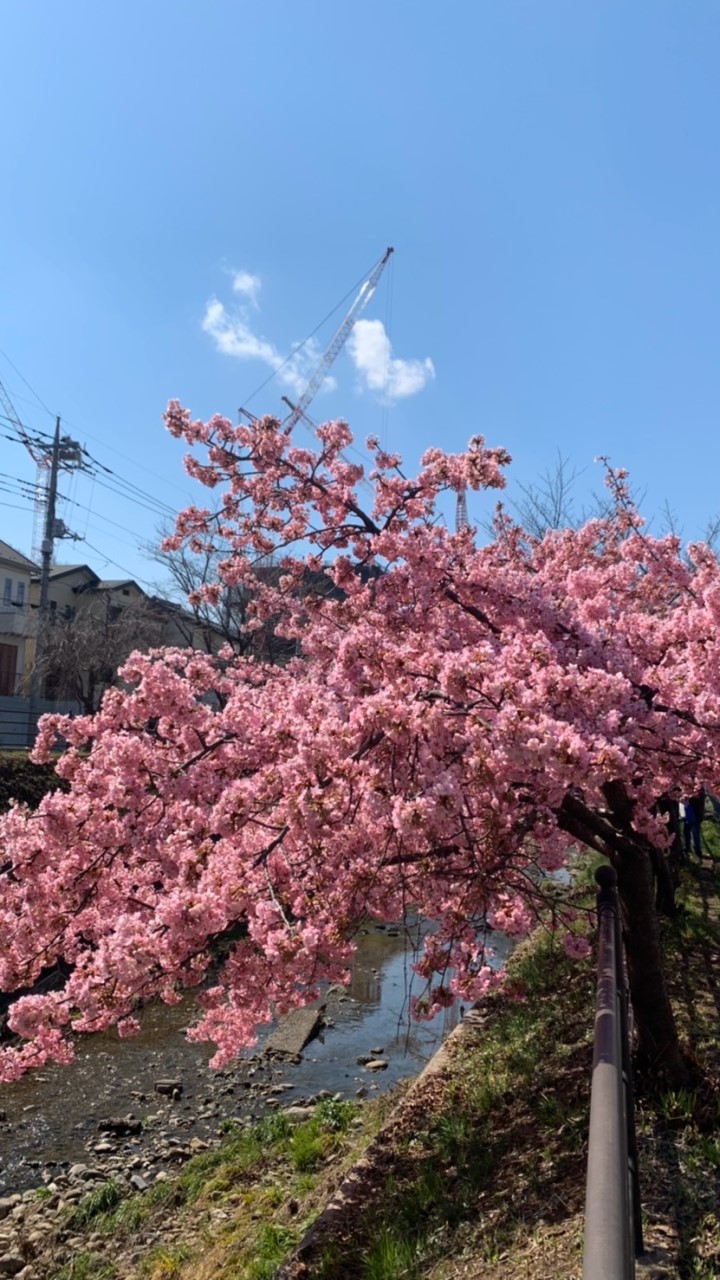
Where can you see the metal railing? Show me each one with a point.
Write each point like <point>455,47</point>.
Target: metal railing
<point>613,1223</point>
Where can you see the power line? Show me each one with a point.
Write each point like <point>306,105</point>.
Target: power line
<point>162,512</point>
<point>27,384</point>
<point>47,436</point>
<point>120,454</point>
<point>127,489</point>
<point>96,515</point>
<point>107,560</point>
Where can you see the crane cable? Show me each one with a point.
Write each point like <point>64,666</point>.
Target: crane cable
<point>350,293</point>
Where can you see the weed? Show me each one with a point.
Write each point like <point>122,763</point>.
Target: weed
<point>308,1145</point>
<point>125,1219</point>
<point>551,1110</point>
<point>273,1128</point>
<point>228,1127</point>
<point>103,1198</point>
<point>85,1266</point>
<point>336,1114</point>
<point>165,1264</point>
<point>273,1243</point>
<point>707,1150</point>
<point>677,1105</point>
<point>390,1257</point>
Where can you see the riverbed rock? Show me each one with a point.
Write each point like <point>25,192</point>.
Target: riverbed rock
<point>376,1064</point>
<point>299,1113</point>
<point>292,1033</point>
<point>169,1087</point>
<point>11,1264</point>
<point>121,1127</point>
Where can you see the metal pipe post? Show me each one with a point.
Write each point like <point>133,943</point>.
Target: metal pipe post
<point>608,1252</point>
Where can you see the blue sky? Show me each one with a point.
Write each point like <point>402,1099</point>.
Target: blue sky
<point>547,173</point>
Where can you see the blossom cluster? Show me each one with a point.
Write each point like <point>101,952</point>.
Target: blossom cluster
<point>418,752</point>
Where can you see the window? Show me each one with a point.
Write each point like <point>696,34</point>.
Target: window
<point>7,591</point>
<point>20,597</point>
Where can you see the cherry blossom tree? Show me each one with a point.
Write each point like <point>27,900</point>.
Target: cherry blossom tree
<point>455,717</point>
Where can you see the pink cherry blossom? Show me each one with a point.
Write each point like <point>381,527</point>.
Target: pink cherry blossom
<point>454,717</point>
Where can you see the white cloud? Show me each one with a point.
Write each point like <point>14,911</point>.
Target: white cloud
<point>246,284</point>
<point>233,335</point>
<point>371,352</point>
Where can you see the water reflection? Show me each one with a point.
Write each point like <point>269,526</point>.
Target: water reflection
<point>52,1113</point>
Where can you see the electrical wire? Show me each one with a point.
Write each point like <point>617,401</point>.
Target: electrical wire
<point>107,560</point>
<point>97,515</point>
<point>305,341</point>
<point>27,384</point>
<point>122,488</point>
<point>120,454</point>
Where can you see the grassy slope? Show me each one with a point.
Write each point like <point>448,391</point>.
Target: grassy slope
<point>479,1174</point>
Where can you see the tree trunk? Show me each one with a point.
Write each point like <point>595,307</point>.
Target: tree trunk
<point>659,1050</point>
<point>664,884</point>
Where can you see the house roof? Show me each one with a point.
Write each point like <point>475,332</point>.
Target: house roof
<point>11,556</point>
<point>65,570</point>
<point>114,584</point>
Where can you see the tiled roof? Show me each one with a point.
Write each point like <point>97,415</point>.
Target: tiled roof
<point>10,555</point>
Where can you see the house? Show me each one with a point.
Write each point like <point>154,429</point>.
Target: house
<point>17,622</point>
<point>94,623</point>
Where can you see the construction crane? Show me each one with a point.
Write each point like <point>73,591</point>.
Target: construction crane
<point>69,458</point>
<point>338,340</point>
<point>461,514</point>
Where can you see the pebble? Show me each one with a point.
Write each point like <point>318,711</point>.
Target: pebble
<point>11,1264</point>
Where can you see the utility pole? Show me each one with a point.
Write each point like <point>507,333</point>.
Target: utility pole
<point>65,453</point>
<point>47,550</point>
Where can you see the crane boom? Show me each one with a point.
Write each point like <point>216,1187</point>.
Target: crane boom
<point>35,450</point>
<point>338,340</point>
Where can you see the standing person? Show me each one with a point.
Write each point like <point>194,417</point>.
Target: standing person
<point>694,814</point>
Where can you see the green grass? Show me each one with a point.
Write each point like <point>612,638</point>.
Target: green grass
<point>273,1243</point>
<point>679,1131</point>
<point>165,1263</point>
<point>251,1176</point>
<point>499,1141</point>
<point>86,1266</point>
<point>95,1203</point>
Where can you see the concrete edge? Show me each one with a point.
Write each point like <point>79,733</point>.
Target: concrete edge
<point>348,1193</point>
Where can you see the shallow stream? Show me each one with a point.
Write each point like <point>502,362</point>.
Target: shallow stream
<point>52,1116</point>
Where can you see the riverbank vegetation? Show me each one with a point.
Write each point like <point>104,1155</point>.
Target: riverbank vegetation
<point>479,1169</point>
